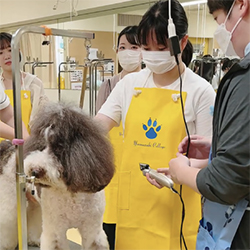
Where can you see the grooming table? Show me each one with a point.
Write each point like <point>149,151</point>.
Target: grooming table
<point>73,246</point>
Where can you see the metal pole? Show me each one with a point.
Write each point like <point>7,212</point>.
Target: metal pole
<point>59,82</point>
<point>26,64</point>
<point>20,175</point>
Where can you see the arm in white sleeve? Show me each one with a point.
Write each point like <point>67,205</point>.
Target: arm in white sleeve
<point>204,112</point>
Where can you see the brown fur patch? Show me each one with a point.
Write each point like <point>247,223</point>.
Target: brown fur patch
<point>74,140</point>
<point>6,150</point>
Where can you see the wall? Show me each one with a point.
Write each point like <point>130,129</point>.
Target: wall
<point>201,23</point>
<point>24,12</point>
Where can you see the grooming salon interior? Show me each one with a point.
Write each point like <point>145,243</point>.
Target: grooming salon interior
<point>75,51</point>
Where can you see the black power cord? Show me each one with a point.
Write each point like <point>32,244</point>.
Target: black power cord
<point>174,46</point>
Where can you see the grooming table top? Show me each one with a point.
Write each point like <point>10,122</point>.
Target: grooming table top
<point>73,246</point>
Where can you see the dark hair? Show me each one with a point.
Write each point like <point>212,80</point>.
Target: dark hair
<point>224,5</point>
<point>207,67</point>
<point>131,34</point>
<point>155,20</point>
<point>5,40</point>
<point>229,63</point>
<point>187,53</point>
<point>225,63</point>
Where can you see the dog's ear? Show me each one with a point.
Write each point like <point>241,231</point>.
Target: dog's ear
<point>6,150</point>
<point>84,152</point>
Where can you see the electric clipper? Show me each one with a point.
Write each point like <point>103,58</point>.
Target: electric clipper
<point>159,177</point>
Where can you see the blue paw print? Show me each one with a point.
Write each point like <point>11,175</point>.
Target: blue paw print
<point>151,129</point>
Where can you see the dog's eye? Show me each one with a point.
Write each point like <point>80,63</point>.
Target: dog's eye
<point>52,126</point>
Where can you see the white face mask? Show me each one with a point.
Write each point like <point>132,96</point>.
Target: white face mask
<point>223,36</point>
<point>129,59</point>
<point>158,62</point>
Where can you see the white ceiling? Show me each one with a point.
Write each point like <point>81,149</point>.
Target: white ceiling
<point>55,16</point>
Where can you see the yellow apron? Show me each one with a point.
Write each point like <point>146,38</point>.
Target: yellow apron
<point>149,218</point>
<point>26,105</point>
<point>111,191</point>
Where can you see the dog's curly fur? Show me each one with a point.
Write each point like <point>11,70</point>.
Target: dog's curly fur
<point>72,161</point>
<point>8,210</point>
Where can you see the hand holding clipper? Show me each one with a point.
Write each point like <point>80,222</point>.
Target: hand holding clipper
<point>159,177</point>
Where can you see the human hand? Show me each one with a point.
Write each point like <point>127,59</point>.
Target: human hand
<point>176,166</point>
<point>153,181</point>
<point>199,147</point>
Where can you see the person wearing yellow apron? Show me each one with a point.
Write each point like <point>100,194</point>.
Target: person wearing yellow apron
<point>148,104</point>
<point>31,87</point>
<point>129,56</point>
<point>7,116</point>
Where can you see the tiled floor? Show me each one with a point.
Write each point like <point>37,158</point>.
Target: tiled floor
<point>73,246</point>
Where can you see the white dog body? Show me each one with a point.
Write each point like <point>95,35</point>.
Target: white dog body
<point>62,209</point>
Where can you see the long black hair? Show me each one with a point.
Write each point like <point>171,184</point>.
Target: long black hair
<point>155,20</point>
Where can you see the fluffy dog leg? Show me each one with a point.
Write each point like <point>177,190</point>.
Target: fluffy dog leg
<point>52,240</point>
<point>54,231</point>
<point>95,241</point>
<point>34,223</point>
<point>8,237</point>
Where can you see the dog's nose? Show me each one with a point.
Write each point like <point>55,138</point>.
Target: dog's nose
<point>38,172</point>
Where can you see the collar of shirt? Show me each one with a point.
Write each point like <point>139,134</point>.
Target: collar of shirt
<point>247,49</point>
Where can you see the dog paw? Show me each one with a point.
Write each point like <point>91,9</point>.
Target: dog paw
<point>34,243</point>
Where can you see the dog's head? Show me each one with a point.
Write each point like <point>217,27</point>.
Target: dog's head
<point>82,156</point>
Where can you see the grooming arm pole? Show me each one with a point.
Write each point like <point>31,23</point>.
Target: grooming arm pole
<point>20,175</point>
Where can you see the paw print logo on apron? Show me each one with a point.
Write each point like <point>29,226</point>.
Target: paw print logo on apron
<point>151,129</point>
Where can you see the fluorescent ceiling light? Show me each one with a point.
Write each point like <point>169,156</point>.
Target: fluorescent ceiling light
<point>193,3</point>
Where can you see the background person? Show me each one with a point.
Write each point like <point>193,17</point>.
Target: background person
<point>32,87</point>
<point>148,104</point>
<point>7,119</point>
<point>129,56</point>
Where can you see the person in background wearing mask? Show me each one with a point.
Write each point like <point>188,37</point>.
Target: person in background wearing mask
<point>32,87</point>
<point>129,56</point>
<point>7,119</point>
<point>149,105</point>
<point>225,182</point>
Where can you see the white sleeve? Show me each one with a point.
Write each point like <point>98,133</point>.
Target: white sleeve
<point>4,100</point>
<point>204,112</point>
<point>112,107</point>
<point>36,92</point>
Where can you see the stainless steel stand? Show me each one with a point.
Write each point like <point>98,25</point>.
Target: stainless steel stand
<point>20,175</point>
